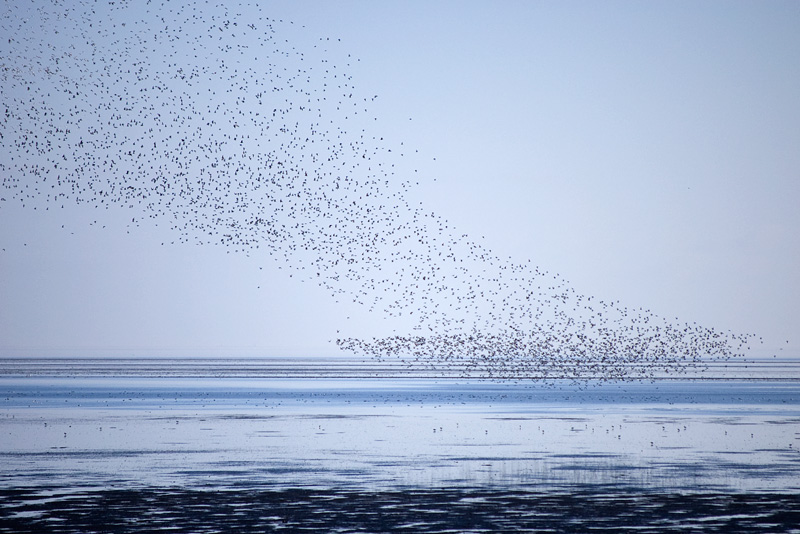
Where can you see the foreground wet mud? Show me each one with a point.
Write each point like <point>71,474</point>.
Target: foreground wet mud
<point>412,510</point>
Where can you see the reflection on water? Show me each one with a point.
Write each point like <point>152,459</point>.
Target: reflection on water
<point>400,450</point>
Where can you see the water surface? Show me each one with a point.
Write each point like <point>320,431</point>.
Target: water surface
<point>291,450</point>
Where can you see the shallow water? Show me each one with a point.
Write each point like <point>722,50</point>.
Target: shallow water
<point>421,454</point>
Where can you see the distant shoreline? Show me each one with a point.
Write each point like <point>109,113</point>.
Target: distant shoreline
<point>784,369</point>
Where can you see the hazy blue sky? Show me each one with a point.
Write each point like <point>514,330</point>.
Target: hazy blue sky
<point>646,151</point>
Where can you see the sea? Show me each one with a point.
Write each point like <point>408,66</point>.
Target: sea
<point>341,445</point>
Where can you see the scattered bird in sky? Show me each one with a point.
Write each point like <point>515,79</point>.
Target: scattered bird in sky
<point>238,130</point>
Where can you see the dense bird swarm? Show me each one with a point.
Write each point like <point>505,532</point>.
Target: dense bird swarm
<point>238,130</point>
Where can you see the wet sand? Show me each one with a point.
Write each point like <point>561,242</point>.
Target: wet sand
<point>175,453</point>
<point>421,510</point>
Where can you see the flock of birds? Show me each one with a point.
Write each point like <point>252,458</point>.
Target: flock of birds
<point>238,130</point>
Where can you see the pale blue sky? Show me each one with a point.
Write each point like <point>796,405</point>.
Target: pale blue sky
<point>647,152</point>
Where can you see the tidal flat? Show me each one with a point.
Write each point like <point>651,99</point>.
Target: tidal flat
<point>134,452</point>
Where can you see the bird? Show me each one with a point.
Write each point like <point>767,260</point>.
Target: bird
<point>244,132</point>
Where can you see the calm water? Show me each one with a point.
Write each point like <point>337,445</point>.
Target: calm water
<point>93,446</point>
